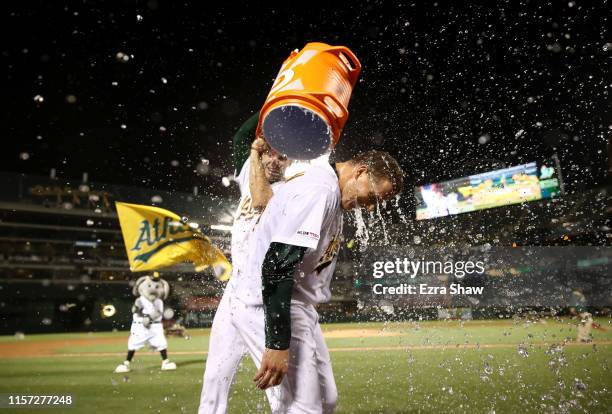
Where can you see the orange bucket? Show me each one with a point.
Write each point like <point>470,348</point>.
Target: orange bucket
<point>306,109</point>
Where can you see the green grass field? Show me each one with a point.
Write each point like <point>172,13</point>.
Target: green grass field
<point>425,367</point>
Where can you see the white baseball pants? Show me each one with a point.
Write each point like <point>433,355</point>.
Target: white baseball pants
<point>237,329</point>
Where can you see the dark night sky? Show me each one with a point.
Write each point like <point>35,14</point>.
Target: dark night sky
<point>525,79</point>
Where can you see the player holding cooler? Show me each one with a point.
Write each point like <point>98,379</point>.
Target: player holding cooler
<point>292,247</point>
<point>259,173</point>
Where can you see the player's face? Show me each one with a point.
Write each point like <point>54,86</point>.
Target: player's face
<point>274,165</point>
<point>364,192</point>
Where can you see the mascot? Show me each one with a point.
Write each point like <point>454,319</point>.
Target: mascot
<point>147,325</point>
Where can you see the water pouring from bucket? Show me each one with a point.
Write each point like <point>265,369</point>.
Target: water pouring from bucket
<point>306,109</point>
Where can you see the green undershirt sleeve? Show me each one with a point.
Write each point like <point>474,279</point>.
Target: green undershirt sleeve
<point>277,279</point>
<point>242,141</point>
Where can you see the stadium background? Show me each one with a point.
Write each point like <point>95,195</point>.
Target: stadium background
<point>63,257</point>
<point>137,102</point>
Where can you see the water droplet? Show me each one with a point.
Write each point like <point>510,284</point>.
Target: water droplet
<point>122,57</point>
<point>484,139</point>
<point>579,385</point>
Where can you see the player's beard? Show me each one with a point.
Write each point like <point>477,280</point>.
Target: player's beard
<point>274,175</point>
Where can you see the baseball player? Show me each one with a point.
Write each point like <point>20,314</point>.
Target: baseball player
<point>295,246</point>
<point>578,306</point>
<point>147,325</point>
<point>260,171</point>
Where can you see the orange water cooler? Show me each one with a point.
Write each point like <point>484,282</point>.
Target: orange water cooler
<point>306,109</point>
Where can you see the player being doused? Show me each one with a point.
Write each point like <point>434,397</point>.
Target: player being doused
<point>147,325</point>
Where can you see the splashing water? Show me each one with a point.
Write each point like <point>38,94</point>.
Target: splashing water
<point>579,385</point>
<point>382,222</point>
<point>522,351</point>
<point>399,210</point>
<point>377,216</point>
<point>487,369</point>
<point>362,233</point>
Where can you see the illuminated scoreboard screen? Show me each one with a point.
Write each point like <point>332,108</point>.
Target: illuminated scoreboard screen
<point>519,184</point>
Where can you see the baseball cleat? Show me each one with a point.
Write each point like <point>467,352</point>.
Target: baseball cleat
<point>122,368</point>
<point>167,365</point>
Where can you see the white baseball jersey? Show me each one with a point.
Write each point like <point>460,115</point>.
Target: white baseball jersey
<point>306,211</point>
<point>237,328</point>
<point>245,219</point>
<point>148,308</point>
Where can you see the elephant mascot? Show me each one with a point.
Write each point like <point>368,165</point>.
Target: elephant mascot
<point>147,328</point>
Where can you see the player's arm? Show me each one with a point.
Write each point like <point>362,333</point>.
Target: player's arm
<point>299,229</point>
<point>242,141</point>
<point>277,275</point>
<point>278,268</point>
<point>259,186</point>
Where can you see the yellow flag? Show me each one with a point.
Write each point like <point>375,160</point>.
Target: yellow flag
<point>156,238</point>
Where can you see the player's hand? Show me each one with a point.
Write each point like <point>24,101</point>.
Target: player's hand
<point>146,321</point>
<point>259,145</point>
<point>274,366</point>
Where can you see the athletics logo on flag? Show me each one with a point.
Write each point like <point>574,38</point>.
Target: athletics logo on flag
<point>155,238</point>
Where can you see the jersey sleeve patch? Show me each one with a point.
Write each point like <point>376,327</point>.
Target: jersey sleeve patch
<point>301,219</point>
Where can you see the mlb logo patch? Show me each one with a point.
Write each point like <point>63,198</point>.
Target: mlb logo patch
<point>308,234</point>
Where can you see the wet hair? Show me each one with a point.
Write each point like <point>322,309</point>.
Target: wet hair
<point>382,166</point>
